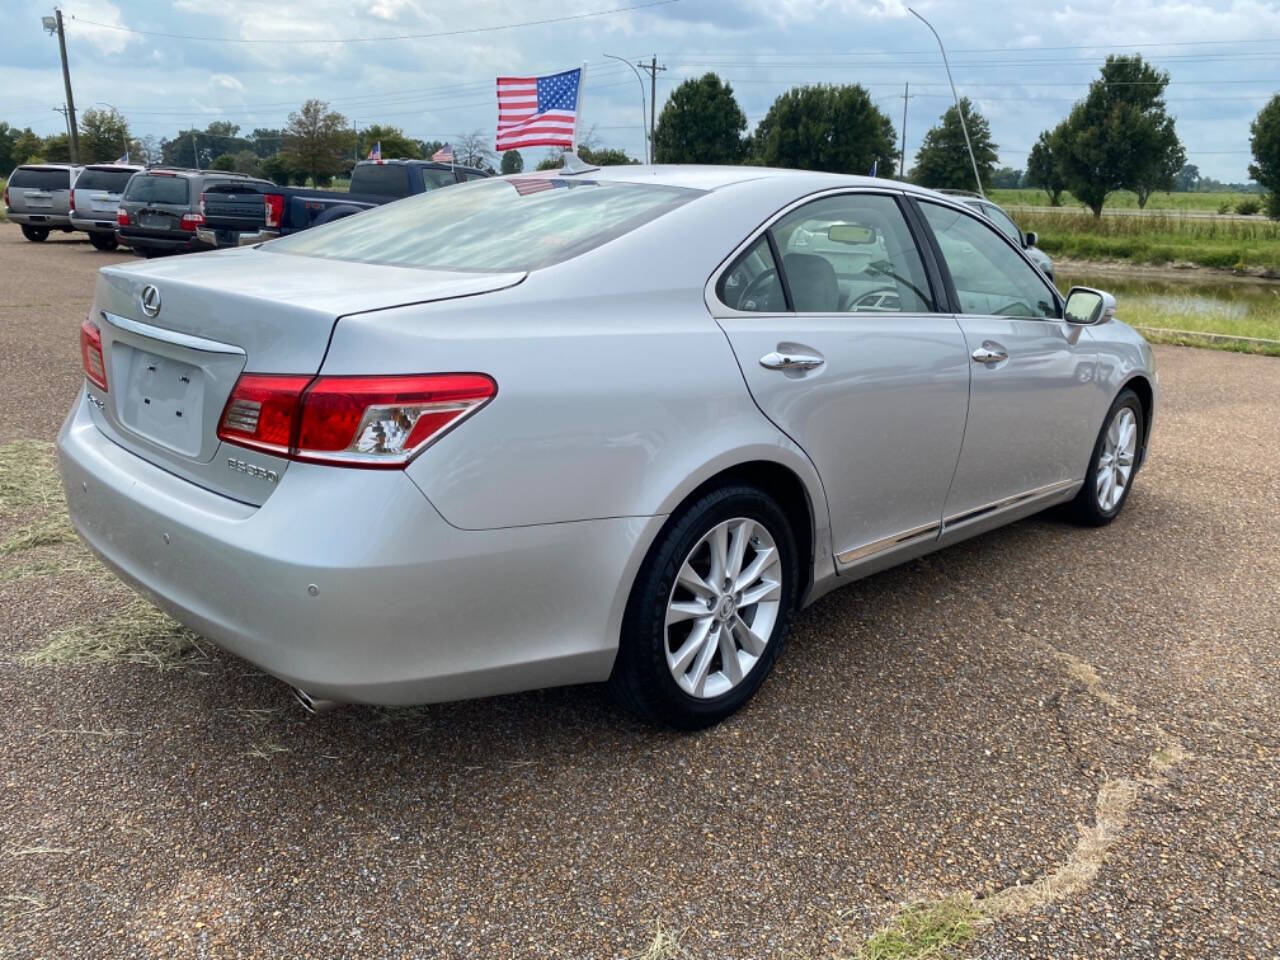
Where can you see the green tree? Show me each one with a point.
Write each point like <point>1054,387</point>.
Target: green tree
<point>1006,178</point>
<point>55,149</point>
<point>266,141</point>
<point>1119,136</point>
<point>427,147</point>
<point>1044,170</point>
<point>701,122</point>
<point>1187,179</point>
<point>277,170</point>
<point>12,142</point>
<point>1264,140</point>
<point>395,144</point>
<point>319,141</point>
<point>833,128</point>
<point>26,147</point>
<point>943,160</point>
<point>512,162</point>
<point>225,162</point>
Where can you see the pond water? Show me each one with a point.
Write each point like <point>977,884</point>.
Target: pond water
<point>1197,303</point>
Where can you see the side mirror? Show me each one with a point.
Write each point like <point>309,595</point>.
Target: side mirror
<point>1032,238</point>
<point>1087,307</point>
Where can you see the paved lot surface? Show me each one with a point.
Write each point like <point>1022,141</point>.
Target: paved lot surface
<point>945,728</point>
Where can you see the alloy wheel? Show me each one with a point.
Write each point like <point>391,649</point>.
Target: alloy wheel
<point>1116,460</point>
<point>723,607</point>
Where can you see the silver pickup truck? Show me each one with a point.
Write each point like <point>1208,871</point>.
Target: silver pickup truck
<point>38,198</point>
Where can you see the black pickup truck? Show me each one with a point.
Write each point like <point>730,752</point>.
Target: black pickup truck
<point>238,213</point>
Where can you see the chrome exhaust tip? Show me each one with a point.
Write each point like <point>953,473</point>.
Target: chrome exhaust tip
<point>313,705</point>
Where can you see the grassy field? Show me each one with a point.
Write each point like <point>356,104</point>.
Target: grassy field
<point>1127,200</point>
<point>1222,244</point>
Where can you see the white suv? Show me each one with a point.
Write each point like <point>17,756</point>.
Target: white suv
<point>95,198</point>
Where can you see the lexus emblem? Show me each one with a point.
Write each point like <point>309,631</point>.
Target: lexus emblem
<point>150,300</point>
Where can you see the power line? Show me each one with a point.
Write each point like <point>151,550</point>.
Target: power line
<point>926,52</point>
<point>405,36</point>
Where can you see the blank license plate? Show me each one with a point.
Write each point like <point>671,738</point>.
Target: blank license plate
<point>164,401</point>
<point>154,220</point>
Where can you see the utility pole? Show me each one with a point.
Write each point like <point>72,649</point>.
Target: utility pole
<point>195,150</point>
<point>63,110</point>
<point>902,157</point>
<point>653,70</point>
<point>54,25</point>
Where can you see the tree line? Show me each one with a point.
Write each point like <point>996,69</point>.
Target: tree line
<point>1118,137</point>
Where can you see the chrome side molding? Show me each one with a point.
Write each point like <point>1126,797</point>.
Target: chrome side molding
<point>175,337</point>
<point>1047,490</point>
<point>888,543</point>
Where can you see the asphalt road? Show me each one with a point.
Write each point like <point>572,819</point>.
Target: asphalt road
<point>944,728</point>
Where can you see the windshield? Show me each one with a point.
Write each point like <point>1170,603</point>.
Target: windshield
<point>493,225</point>
<point>157,188</point>
<point>113,181</point>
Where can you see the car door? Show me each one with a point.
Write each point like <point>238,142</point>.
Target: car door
<point>1031,398</point>
<point>834,320</point>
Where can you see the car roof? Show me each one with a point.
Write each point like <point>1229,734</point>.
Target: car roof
<point>114,166</point>
<point>47,166</point>
<point>699,177</point>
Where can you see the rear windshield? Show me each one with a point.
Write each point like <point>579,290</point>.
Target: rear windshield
<point>157,188</point>
<point>381,180</point>
<point>113,181</point>
<point>40,178</point>
<point>495,225</point>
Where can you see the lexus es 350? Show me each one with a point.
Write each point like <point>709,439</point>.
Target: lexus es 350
<point>612,424</point>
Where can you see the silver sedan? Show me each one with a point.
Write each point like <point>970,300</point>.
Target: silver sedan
<point>581,426</point>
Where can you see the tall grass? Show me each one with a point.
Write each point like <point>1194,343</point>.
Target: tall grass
<point>1127,200</point>
<point>1225,244</point>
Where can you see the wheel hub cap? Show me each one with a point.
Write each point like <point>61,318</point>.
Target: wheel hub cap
<point>723,607</point>
<point>1116,461</point>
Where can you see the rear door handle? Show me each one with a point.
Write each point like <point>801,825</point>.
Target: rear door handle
<point>990,353</point>
<point>790,361</point>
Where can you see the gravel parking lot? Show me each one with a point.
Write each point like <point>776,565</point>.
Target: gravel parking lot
<point>1080,729</point>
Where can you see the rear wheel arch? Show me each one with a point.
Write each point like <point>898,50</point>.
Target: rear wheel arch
<point>786,487</point>
<point>1140,385</point>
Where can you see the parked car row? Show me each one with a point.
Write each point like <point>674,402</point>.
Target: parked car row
<point>155,210</point>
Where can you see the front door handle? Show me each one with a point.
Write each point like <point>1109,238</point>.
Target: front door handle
<point>990,353</point>
<point>790,361</point>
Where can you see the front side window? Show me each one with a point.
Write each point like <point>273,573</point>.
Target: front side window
<point>989,276</point>
<point>1004,222</point>
<point>852,253</point>
<point>157,188</point>
<point>752,283</point>
<point>434,179</point>
<point>522,223</point>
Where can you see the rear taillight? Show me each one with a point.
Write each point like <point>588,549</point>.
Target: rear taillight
<point>202,204</point>
<point>382,421</point>
<point>274,205</point>
<point>192,220</point>
<point>122,217</point>
<point>6,196</point>
<point>71,201</point>
<point>95,368</point>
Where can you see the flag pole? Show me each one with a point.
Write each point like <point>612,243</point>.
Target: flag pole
<point>577,107</point>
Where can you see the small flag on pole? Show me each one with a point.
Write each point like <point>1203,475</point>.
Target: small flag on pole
<point>125,158</point>
<point>443,155</point>
<point>538,111</point>
<point>875,165</point>
<point>376,153</point>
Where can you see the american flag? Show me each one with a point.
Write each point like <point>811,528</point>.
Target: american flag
<point>527,185</point>
<point>443,155</point>
<point>376,153</point>
<point>538,111</point>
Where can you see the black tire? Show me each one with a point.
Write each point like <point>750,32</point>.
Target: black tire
<point>35,234</point>
<point>103,241</point>
<point>641,680</point>
<point>1086,509</point>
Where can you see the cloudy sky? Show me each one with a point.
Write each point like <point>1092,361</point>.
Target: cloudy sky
<point>1023,63</point>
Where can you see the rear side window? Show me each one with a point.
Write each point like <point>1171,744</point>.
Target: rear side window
<point>434,179</point>
<point>522,223</point>
<point>752,283</point>
<point>382,180</point>
<point>40,178</point>
<point>157,188</point>
<point>113,181</point>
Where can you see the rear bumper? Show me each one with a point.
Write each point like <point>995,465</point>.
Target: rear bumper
<point>233,238</point>
<point>54,221</point>
<point>348,583</point>
<point>92,225</point>
<point>151,240</point>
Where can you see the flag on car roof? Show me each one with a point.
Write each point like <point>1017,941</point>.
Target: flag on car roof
<point>376,153</point>
<point>443,155</point>
<point>538,111</point>
<point>125,158</point>
<point>875,165</point>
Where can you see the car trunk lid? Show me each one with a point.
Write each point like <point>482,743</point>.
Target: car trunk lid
<point>176,335</point>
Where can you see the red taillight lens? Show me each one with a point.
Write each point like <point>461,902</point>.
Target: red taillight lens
<point>202,204</point>
<point>192,220</point>
<point>6,196</point>
<point>122,217</point>
<point>71,201</point>
<point>262,412</point>
<point>274,206</point>
<point>95,367</point>
<point>353,421</point>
